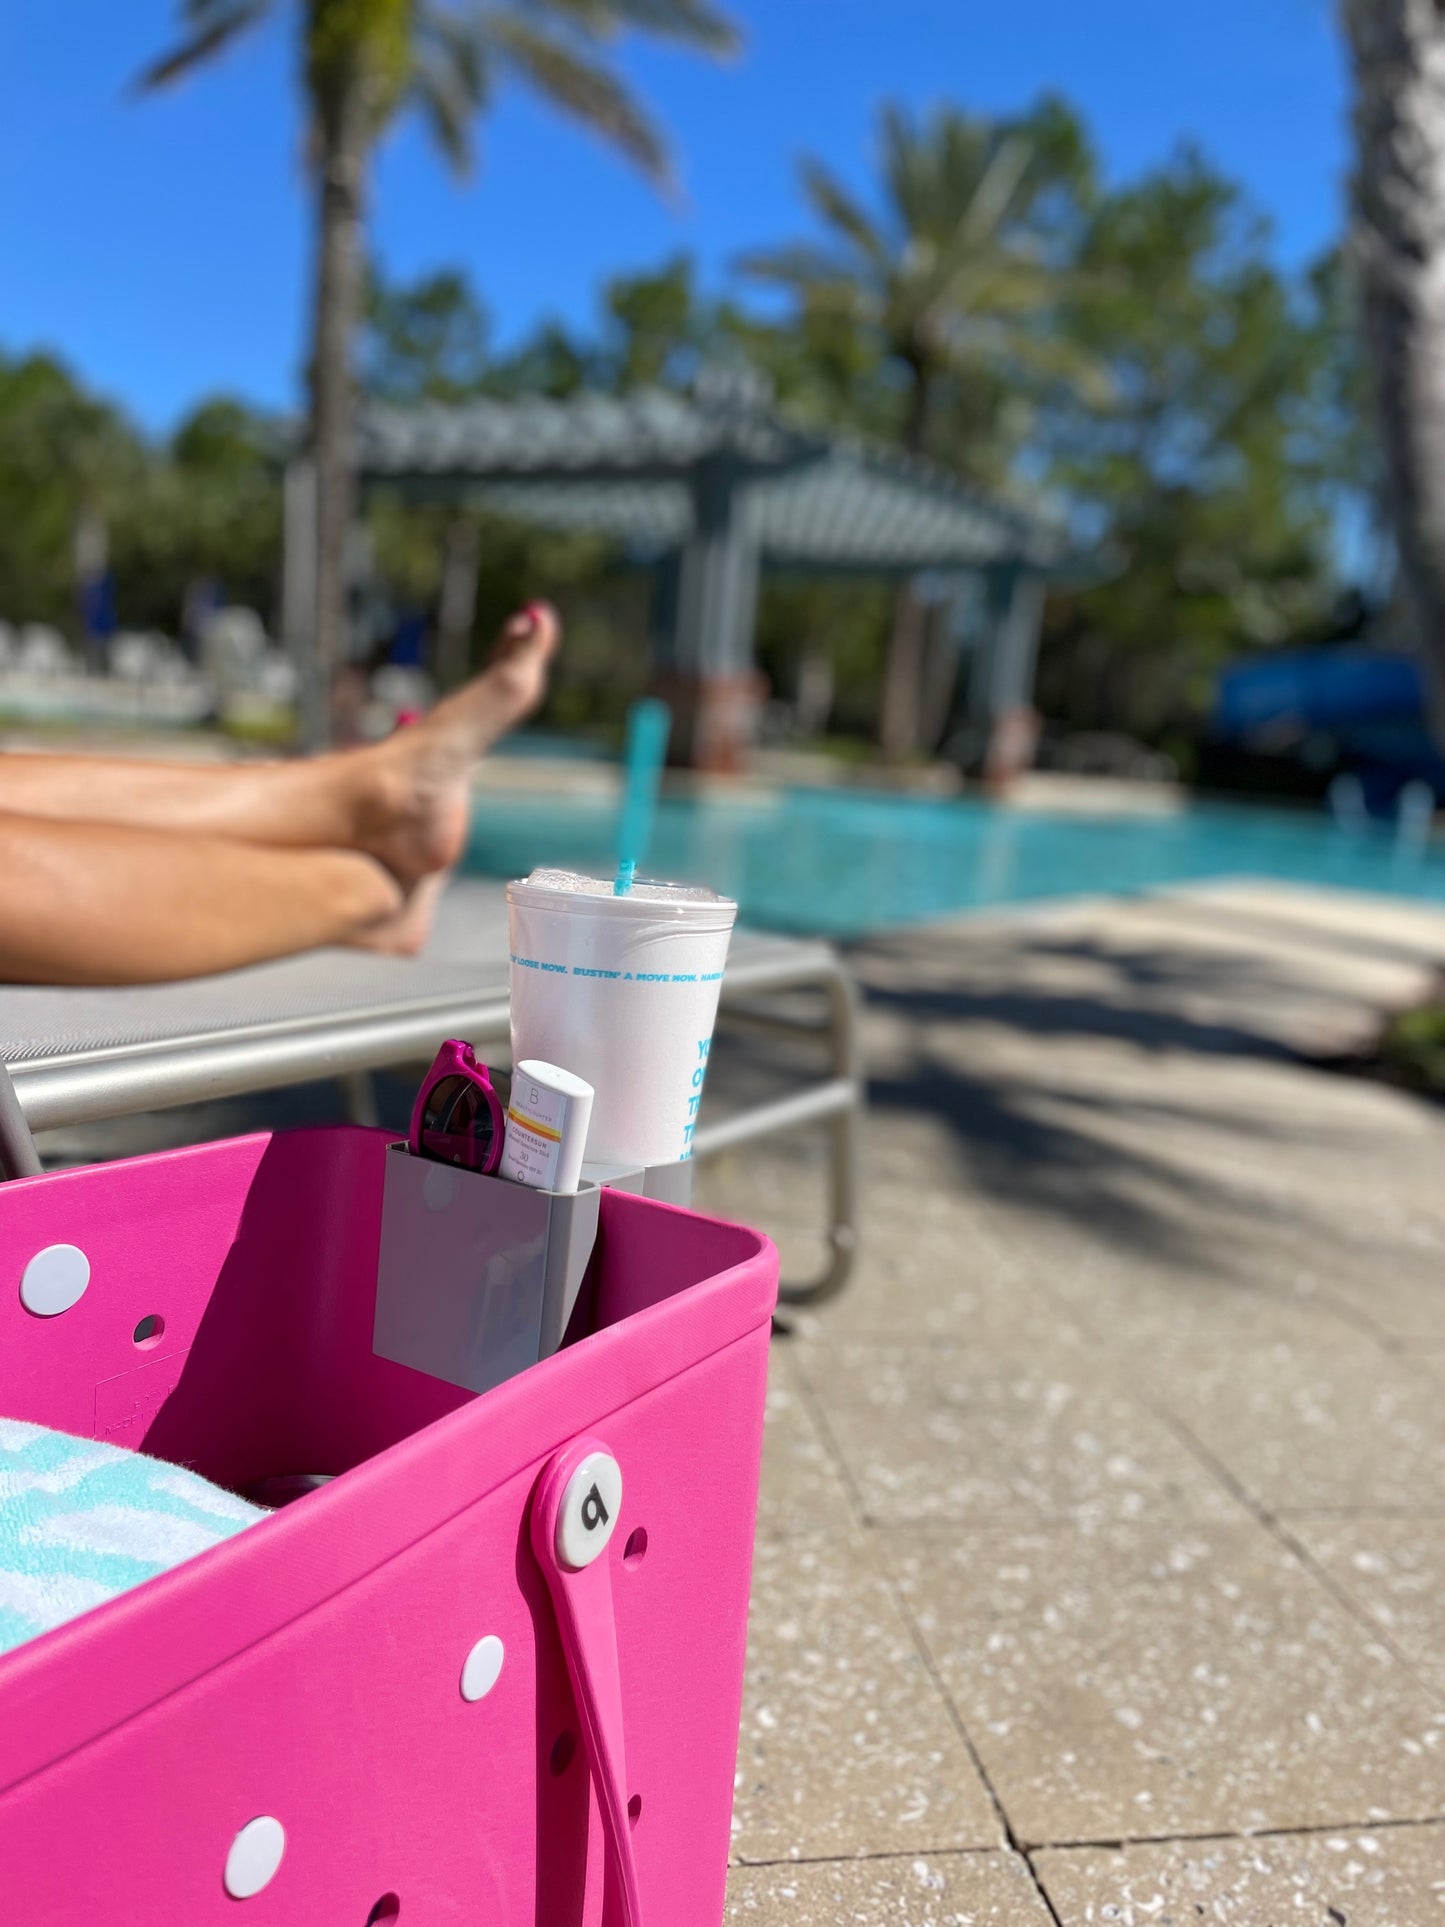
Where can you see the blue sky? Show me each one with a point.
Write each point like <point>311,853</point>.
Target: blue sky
<point>162,245</point>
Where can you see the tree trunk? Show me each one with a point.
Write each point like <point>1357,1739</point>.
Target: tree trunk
<point>941,663</point>
<point>900,713</point>
<point>458,606</point>
<point>1398,49</point>
<point>343,147</point>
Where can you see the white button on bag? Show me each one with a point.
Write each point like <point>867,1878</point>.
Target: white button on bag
<point>54,1280</point>
<point>483,1668</point>
<point>587,1517</point>
<point>254,1857</point>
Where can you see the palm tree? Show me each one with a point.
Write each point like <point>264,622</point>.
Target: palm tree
<point>363,62</point>
<point>1398,242</point>
<point>957,279</point>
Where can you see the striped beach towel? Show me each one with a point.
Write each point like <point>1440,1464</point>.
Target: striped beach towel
<point>81,1522</point>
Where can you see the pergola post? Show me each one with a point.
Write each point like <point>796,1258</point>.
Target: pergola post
<point>1001,687</point>
<point>709,677</point>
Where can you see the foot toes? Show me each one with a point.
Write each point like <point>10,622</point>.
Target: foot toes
<point>524,651</point>
<point>535,628</point>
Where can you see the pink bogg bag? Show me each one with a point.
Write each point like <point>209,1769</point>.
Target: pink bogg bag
<point>490,1673</point>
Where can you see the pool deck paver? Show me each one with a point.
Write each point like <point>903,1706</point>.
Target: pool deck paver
<point>1102,1535</point>
<point>1173,1678</point>
<point>803,1487</point>
<point>937,1436</point>
<point>941,1890</point>
<point>1392,1567</point>
<point>1358,1877</point>
<point>1318,1420</point>
<point>847,1747</point>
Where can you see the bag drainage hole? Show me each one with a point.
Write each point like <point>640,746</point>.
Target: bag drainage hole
<point>634,1808</point>
<point>636,1547</point>
<point>387,1909</point>
<point>563,1747</point>
<point>149,1330</point>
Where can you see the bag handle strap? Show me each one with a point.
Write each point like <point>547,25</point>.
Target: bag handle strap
<point>575,1509</point>
<point>18,1155</point>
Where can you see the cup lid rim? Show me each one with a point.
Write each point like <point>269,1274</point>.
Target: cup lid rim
<point>597,903</point>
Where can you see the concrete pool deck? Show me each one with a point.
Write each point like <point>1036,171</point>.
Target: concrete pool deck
<point>1101,1556</point>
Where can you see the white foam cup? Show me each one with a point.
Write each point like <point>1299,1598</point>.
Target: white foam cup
<point>623,991</point>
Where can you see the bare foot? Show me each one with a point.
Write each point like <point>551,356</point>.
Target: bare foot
<point>404,934</point>
<point>413,788</point>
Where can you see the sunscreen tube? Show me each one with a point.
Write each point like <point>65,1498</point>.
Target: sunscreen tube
<point>547,1119</point>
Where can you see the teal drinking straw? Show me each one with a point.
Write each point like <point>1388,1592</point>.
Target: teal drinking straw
<point>649,724</point>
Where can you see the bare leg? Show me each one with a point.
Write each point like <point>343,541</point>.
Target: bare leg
<point>90,903</point>
<point>402,801</point>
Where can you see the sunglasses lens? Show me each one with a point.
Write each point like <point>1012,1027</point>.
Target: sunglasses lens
<point>457,1123</point>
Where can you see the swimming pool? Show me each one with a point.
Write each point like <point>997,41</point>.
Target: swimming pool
<point>843,863</point>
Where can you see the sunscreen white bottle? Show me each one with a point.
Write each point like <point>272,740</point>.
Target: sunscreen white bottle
<point>547,1119</point>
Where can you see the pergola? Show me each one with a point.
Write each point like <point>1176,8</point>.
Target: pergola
<point>714,486</point>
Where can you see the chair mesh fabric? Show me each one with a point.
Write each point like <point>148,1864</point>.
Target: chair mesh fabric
<point>464,962</point>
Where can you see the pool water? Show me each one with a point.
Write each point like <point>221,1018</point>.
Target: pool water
<point>843,864</point>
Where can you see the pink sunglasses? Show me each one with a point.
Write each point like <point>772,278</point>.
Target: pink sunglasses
<point>457,1117</point>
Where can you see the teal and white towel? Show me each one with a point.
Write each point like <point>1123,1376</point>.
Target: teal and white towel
<point>81,1522</point>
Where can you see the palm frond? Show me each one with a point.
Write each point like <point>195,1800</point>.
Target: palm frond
<point>214,24</point>
<point>810,272</point>
<point>450,82</point>
<point>579,87</point>
<point>1049,358</point>
<point>931,168</point>
<point>694,23</point>
<point>448,107</point>
<point>994,195</point>
<point>832,201</point>
<point>1011,276</point>
<point>1003,284</point>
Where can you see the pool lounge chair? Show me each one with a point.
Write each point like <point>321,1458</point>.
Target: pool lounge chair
<point>77,1056</point>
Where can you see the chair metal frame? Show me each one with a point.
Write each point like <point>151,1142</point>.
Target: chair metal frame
<point>86,1085</point>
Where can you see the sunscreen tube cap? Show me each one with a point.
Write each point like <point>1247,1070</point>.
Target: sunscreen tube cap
<point>547,1119</point>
